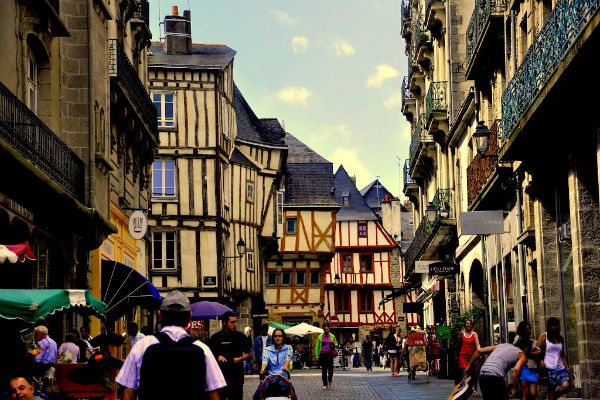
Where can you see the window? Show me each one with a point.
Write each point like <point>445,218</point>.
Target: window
<point>250,191</point>
<point>366,301</point>
<point>347,263</point>
<point>286,278</point>
<point>279,213</point>
<point>250,261</point>
<point>300,278</point>
<point>315,278</point>
<point>346,200</point>
<point>366,263</point>
<point>165,109</point>
<point>226,188</point>
<point>272,278</point>
<point>163,179</point>
<point>362,229</point>
<point>290,225</point>
<point>31,82</point>
<point>343,302</point>
<point>164,250</point>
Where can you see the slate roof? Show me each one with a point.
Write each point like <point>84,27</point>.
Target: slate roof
<point>204,56</point>
<point>253,129</point>
<point>370,194</point>
<point>308,178</point>
<point>357,210</point>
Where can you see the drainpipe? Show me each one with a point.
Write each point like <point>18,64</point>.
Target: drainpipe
<point>91,123</point>
<point>487,326</point>
<point>448,50</point>
<point>520,259</point>
<point>513,41</point>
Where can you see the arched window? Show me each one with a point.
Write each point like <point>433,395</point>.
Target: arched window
<point>31,82</point>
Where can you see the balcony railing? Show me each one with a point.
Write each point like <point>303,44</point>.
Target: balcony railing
<point>415,140</point>
<point>481,168</point>
<point>406,11</point>
<point>442,201</point>
<point>420,36</point>
<point>408,180</point>
<point>137,92</point>
<point>562,28</point>
<point>482,12</point>
<point>27,134</point>
<point>436,100</point>
<point>405,92</point>
<point>142,12</point>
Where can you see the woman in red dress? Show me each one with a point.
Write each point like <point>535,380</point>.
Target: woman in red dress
<point>469,344</point>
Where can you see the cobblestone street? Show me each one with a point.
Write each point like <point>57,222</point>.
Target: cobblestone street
<point>359,384</point>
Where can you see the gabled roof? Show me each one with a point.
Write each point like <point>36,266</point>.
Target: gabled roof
<point>252,129</point>
<point>357,210</point>
<point>373,193</point>
<point>237,157</point>
<point>204,56</point>
<point>308,178</point>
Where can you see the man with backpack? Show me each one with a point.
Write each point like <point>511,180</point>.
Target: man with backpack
<point>163,366</point>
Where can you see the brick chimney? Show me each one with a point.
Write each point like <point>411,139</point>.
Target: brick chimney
<point>178,32</point>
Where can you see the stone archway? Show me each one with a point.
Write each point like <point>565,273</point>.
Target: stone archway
<point>476,283</point>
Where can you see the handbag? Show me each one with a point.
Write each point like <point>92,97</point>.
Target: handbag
<point>66,357</point>
<point>334,352</point>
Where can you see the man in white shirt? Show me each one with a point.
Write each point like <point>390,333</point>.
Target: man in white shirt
<point>260,344</point>
<point>134,334</point>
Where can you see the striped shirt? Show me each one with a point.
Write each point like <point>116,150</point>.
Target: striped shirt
<point>129,376</point>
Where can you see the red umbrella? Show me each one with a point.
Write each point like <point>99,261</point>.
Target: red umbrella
<point>16,252</point>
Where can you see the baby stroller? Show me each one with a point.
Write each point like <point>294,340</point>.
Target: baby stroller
<point>275,387</point>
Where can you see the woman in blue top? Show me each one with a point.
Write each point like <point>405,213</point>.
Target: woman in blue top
<point>276,357</point>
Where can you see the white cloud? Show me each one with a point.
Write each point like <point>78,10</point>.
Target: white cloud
<point>283,18</point>
<point>382,72</point>
<point>294,94</point>
<point>393,100</point>
<point>350,159</point>
<point>342,48</point>
<point>406,133</point>
<point>299,44</point>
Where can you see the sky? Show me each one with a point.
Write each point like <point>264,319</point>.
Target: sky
<point>331,70</point>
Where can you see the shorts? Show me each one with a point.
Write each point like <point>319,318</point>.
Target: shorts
<point>528,374</point>
<point>558,377</point>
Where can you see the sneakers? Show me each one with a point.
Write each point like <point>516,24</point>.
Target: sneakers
<point>330,385</point>
<point>324,387</point>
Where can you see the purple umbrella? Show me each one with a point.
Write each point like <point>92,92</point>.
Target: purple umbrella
<point>208,310</point>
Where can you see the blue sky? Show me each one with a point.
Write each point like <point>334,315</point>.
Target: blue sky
<point>331,69</point>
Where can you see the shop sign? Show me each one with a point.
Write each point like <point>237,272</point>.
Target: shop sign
<point>138,224</point>
<point>260,315</point>
<point>210,280</point>
<point>443,268</point>
<point>401,319</point>
<point>422,267</point>
<point>482,222</point>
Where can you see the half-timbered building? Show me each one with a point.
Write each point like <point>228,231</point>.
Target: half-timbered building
<point>306,227</point>
<point>360,275</point>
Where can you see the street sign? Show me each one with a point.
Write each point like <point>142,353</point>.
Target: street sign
<point>482,222</point>
<point>334,321</point>
<point>401,319</point>
<point>422,267</point>
<point>443,268</point>
<point>138,224</point>
<point>260,315</point>
<point>210,280</point>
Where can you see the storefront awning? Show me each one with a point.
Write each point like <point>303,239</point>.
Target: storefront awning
<point>124,288</point>
<point>402,291</point>
<point>16,252</point>
<point>31,305</point>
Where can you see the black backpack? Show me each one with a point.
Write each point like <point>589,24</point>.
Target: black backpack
<point>169,367</point>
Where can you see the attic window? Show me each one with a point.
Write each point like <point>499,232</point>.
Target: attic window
<point>362,229</point>
<point>346,200</point>
<point>290,226</point>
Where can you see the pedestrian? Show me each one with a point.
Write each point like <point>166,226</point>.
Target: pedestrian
<point>392,349</point>
<point>248,363</point>
<point>231,348</point>
<point>348,351</point>
<point>469,344</point>
<point>502,358</point>
<point>164,365</point>
<point>68,352</point>
<point>551,343</point>
<point>46,358</point>
<point>277,356</point>
<point>367,349</point>
<point>528,376</point>
<point>376,359</point>
<point>383,355</point>
<point>87,339</point>
<point>134,334</point>
<point>21,388</point>
<point>260,343</point>
<point>81,345</point>
<point>324,354</point>
<point>398,336</point>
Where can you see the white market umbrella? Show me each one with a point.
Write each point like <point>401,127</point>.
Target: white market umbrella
<point>302,329</point>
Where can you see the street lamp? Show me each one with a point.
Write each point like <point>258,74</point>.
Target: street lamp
<point>279,266</point>
<point>337,280</point>
<point>241,247</point>
<point>482,138</point>
<point>430,212</point>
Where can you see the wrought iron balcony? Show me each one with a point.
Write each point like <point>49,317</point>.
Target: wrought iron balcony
<point>142,12</point>
<point>420,37</point>
<point>484,10</point>
<point>138,96</point>
<point>435,101</point>
<point>408,180</point>
<point>406,96</point>
<point>27,134</point>
<point>562,28</point>
<point>481,168</point>
<point>406,18</point>
<point>415,140</point>
<point>442,201</point>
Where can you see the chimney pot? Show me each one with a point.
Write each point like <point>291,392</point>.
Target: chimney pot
<point>178,33</point>
<point>175,10</point>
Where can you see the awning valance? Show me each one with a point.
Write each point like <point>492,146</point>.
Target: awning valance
<point>15,252</point>
<point>31,305</point>
<point>402,291</point>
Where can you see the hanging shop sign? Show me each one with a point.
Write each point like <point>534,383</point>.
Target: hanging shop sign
<point>138,224</point>
<point>210,280</point>
<point>443,268</point>
<point>482,222</point>
<point>422,267</point>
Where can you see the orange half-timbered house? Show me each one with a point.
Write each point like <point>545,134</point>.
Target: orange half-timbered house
<point>307,231</point>
<point>360,275</point>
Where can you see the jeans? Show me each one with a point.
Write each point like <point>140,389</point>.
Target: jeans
<point>326,361</point>
<point>368,362</point>
<point>492,387</point>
